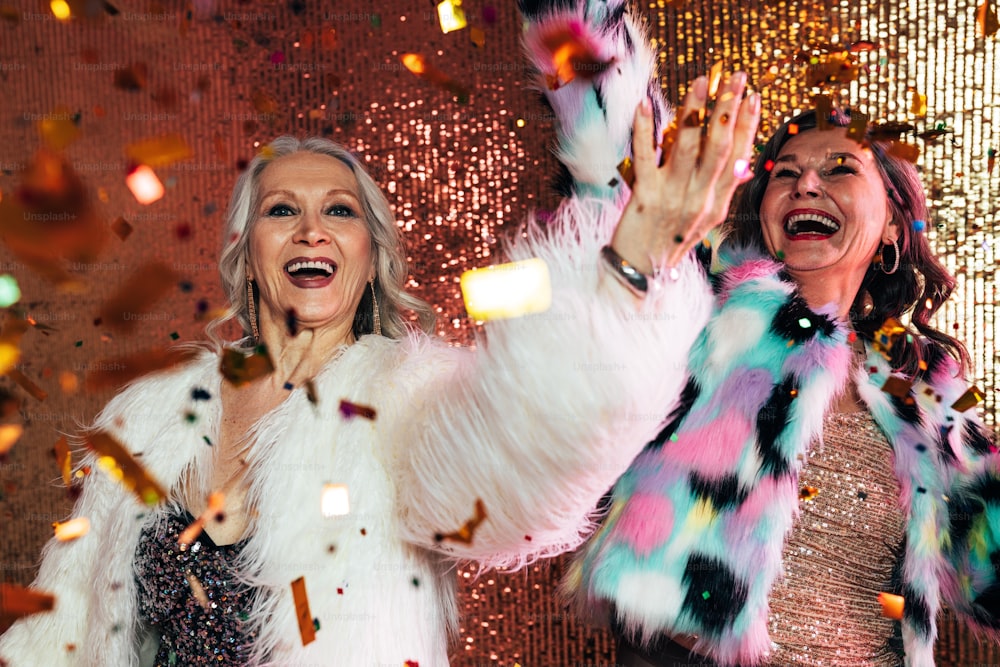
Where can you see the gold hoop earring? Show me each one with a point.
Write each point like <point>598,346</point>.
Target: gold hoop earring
<point>377,323</point>
<point>252,312</point>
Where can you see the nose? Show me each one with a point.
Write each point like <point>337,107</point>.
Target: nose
<point>807,185</point>
<point>311,230</point>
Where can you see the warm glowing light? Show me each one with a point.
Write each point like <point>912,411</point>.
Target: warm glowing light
<point>507,290</point>
<point>145,186</point>
<point>413,62</point>
<point>9,434</point>
<point>9,354</point>
<point>72,529</point>
<point>335,501</point>
<point>451,16</point>
<point>60,9</point>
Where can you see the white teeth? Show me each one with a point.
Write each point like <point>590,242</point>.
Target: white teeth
<point>322,266</point>
<point>792,224</point>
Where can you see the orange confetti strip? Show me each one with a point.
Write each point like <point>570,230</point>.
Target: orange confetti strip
<point>627,171</point>
<point>419,66</point>
<point>17,602</point>
<point>121,465</point>
<point>349,410</point>
<point>572,56</point>
<point>969,399</point>
<point>198,591</point>
<point>807,493</point>
<point>918,104</point>
<point>824,107</point>
<point>216,501</point>
<point>302,613</point>
<point>146,286</point>
<point>240,369</point>
<point>904,150</point>
<point>112,373</point>
<point>898,387</point>
<point>159,151</point>
<point>9,435</point>
<point>857,127</point>
<point>986,19</point>
<point>466,532</point>
<point>25,383</point>
<point>64,460</point>
<point>58,129</point>
<point>73,529</point>
<point>892,605</point>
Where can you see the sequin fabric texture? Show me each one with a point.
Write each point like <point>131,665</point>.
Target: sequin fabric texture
<point>190,596</point>
<point>841,553</point>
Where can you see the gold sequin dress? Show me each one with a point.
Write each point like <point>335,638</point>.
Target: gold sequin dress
<point>841,553</point>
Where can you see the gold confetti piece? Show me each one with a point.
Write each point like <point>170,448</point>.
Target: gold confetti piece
<point>120,464</point>
<point>466,532</point>
<point>132,78</point>
<point>64,460</point>
<point>159,151</point>
<point>896,386</point>
<point>892,605</point>
<point>216,502</point>
<point>986,19</point>
<point>240,369</point>
<point>128,305</point>
<point>450,16</point>
<point>417,64</point>
<point>73,529</point>
<point>349,410</point>
<point>824,107</point>
<point>477,36</point>
<point>969,399</point>
<point>714,79</point>
<point>198,591</point>
<point>121,228</point>
<point>886,336</point>
<point>627,171</point>
<point>9,435</point>
<point>807,493</point>
<point>60,9</point>
<point>918,104</point>
<point>904,150</point>
<point>857,127</point>
<point>302,613</point>
<point>69,382</point>
<point>17,602</point>
<point>507,290</point>
<point>115,372</point>
<point>144,185</point>
<point>25,383</point>
<point>58,129</point>
<point>335,500</point>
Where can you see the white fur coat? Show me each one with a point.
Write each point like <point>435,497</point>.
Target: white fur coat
<point>537,422</point>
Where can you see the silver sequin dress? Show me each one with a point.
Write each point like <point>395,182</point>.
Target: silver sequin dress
<point>190,596</point>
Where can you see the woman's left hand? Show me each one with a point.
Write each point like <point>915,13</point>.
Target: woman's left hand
<point>674,206</point>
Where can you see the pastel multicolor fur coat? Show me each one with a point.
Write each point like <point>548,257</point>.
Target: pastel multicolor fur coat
<point>693,538</point>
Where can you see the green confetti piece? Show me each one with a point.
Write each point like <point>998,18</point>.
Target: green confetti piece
<point>805,322</point>
<point>78,343</point>
<point>174,335</point>
<point>10,293</point>
<point>705,595</point>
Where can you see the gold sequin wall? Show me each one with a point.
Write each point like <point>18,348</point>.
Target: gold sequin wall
<point>227,76</point>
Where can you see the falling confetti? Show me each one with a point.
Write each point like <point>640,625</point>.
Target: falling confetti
<point>350,410</point>
<point>306,629</point>
<point>886,336</point>
<point>857,127</point>
<point>450,16</point>
<point>571,53</point>
<point>144,185</point>
<point>986,19</point>
<point>17,602</point>
<point>121,228</point>
<point>892,605</point>
<point>466,532</point>
<point>116,460</point>
<point>131,303</point>
<point>896,386</point>
<point>59,129</point>
<point>216,502</point>
<point>807,493</point>
<point>417,64</point>
<point>240,369</point>
<point>969,399</point>
<point>73,529</point>
<point>64,460</point>
<point>198,591</point>
<point>507,290</point>
<point>27,384</point>
<point>10,293</point>
<point>9,435</point>
<point>335,500</point>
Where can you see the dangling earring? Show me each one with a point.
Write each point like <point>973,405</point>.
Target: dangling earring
<point>895,264</point>
<point>377,326</point>
<point>252,311</point>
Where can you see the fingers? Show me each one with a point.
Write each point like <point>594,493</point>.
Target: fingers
<point>683,153</point>
<point>643,150</point>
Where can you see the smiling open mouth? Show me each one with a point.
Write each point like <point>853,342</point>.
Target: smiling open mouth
<point>810,225</point>
<point>316,269</point>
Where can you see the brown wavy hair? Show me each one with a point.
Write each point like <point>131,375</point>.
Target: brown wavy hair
<point>921,278</point>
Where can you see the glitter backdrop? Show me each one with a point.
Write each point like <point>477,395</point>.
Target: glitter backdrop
<point>229,75</point>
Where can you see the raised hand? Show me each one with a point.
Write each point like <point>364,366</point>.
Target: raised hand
<point>674,205</point>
